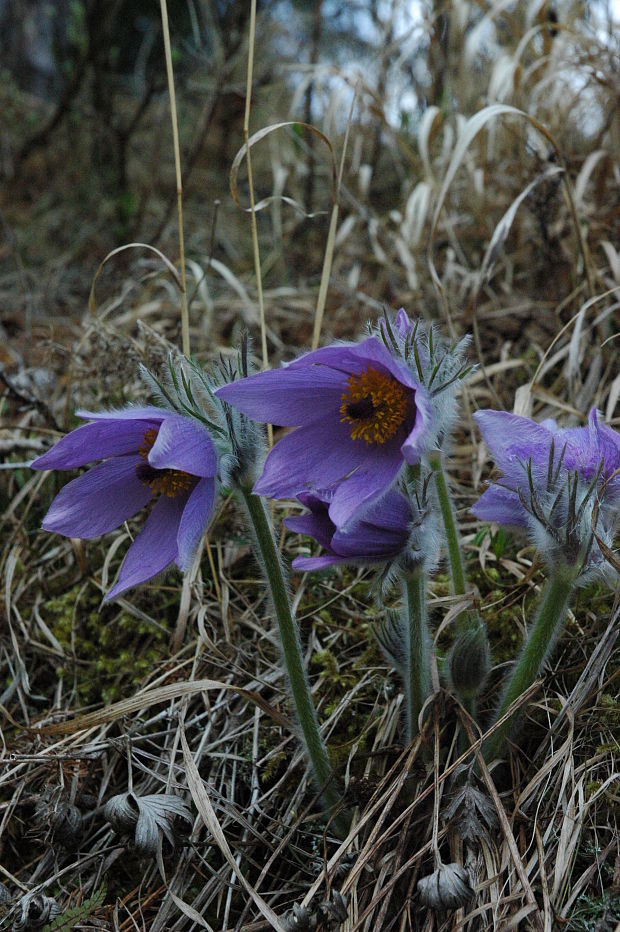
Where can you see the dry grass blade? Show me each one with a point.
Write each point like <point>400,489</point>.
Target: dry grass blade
<point>207,813</point>
<point>179,182</point>
<point>169,265</point>
<point>152,697</point>
<point>505,825</point>
<point>261,134</point>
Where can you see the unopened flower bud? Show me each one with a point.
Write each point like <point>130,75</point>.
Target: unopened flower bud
<point>469,662</point>
<point>448,887</point>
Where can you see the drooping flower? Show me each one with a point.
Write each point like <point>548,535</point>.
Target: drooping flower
<point>147,817</point>
<point>380,535</point>
<point>148,455</point>
<point>360,415</point>
<point>448,887</point>
<point>562,485</point>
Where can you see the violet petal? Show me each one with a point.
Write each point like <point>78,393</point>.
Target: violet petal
<point>98,501</point>
<point>95,441</point>
<point>353,358</point>
<point>194,521</point>
<point>501,506</point>
<point>513,440</point>
<point>289,397</point>
<point>185,445</point>
<point>364,485</point>
<point>154,548</point>
<point>317,525</point>
<point>308,564</point>
<point>415,445</point>
<point>320,454</point>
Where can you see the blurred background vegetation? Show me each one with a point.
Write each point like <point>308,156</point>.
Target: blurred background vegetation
<point>86,160</point>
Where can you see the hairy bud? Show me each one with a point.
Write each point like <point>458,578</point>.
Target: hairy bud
<point>469,662</point>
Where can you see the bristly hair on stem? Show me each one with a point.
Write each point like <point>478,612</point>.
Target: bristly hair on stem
<point>310,735</point>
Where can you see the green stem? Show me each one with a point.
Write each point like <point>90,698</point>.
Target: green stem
<point>291,649</point>
<point>467,621</point>
<point>540,640</point>
<point>417,675</point>
<point>452,535</point>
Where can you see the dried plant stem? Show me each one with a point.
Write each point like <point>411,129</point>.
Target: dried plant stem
<point>179,183</point>
<point>253,224</point>
<point>540,640</point>
<point>248,156</point>
<point>331,239</point>
<point>418,676</point>
<point>291,650</point>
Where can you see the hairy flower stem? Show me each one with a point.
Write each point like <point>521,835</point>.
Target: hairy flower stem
<point>417,670</point>
<point>455,557</point>
<point>540,640</point>
<point>468,620</point>
<point>291,649</point>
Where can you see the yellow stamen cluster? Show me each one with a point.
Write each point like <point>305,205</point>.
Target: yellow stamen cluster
<point>169,482</point>
<point>374,404</point>
<point>150,436</point>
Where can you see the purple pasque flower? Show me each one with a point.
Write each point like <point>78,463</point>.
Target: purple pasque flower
<point>380,535</point>
<point>359,412</point>
<point>563,485</point>
<point>439,366</point>
<point>148,455</point>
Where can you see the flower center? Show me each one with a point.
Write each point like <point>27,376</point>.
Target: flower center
<point>169,482</point>
<point>374,404</point>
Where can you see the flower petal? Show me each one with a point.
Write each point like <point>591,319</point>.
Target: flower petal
<point>194,521</point>
<point>350,358</point>
<point>288,396</point>
<point>308,564</point>
<point>317,525</point>
<point>502,506</point>
<point>154,548</point>
<point>98,501</point>
<point>295,394</point>
<point>184,444</point>
<point>363,486</point>
<point>513,440</point>
<point>403,323</point>
<point>95,441</point>
<point>588,447</point>
<point>318,455</point>
<point>416,444</point>
<point>367,542</point>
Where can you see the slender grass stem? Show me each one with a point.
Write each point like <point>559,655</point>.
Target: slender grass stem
<point>291,649</point>
<point>418,676</point>
<point>179,183</point>
<point>331,238</point>
<point>253,224</point>
<point>540,640</point>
